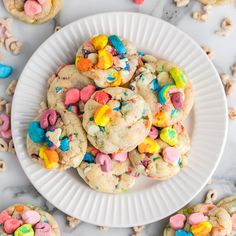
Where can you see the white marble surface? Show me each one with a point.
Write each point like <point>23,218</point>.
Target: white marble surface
<point>14,185</point>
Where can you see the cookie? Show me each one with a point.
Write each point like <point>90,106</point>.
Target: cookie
<point>106,173</point>
<point>66,78</point>
<point>229,204</point>
<point>116,120</point>
<point>56,139</point>
<point>216,2</point>
<point>163,153</point>
<point>108,59</point>
<point>26,219</point>
<point>202,219</point>
<point>33,11</point>
<point>166,88</point>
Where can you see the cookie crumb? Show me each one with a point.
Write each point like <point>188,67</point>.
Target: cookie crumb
<point>72,222</point>
<point>3,145</point>
<point>2,166</point>
<point>233,70</point>
<point>232,113</point>
<point>181,3</point>
<point>138,229</point>
<point>3,103</point>
<point>230,87</point>
<point>11,88</point>
<point>226,27</point>
<point>103,228</point>
<point>11,147</point>
<point>207,8</point>
<point>209,52</point>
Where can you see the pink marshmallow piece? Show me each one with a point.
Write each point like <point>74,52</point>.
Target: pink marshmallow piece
<point>153,133</point>
<point>101,97</point>
<point>72,96</point>
<point>104,160</point>
<point>5,119</point>
<point>171,155</point>
<point>48,118</point>
<point>6,134</point>
<point>87,92</point>
<point>11,225</point>
<point>177,221</point>
<point>31,217</point>
<point>4,215</point>
<point>195,218</point>
<point>32,8</point>
<point>121,157</point>
<point>42,229</point>
<point>138,1</point>
<point>177,100</point>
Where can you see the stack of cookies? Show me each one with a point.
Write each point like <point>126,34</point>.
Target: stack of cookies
<point>114,115</point>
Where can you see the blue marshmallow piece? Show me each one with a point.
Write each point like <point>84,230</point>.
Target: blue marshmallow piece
<point>88,157</point>
<point>117,44</point>
<point>65,144</point>
<point>36,133</point>
<point>5,71</point>
<point>181,232</point>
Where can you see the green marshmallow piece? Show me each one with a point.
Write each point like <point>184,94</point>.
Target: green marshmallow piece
<point>169,136</point>
<point>178,76</point>
<point>24,230</point>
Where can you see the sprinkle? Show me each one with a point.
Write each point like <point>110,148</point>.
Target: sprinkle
<point>58,90</point>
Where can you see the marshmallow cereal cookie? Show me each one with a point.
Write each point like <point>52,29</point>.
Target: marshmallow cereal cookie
<point>27,220</point>
<point>229,204</point>
<point>163,153</point>
<point>202,219</point>
<point>166,88</point>
<point>106,173</point>
<point>33,11</point>
<point>108,59</point>
<point>116,120</point>
<point>69,89</point>
<point>56,139</point>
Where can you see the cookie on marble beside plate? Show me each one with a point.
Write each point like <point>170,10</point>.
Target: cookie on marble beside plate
<point>106,173</point>
<point>56,139</point>
<point>166,88</point>
<point>108,59</point>
<point>33,11</point>
<point>116,120</point>
<point>69,89</point>
<point>26,219</point>
<point>163,153</point>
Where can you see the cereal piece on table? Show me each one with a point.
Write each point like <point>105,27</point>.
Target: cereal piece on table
<point>11,147</point>
<point>224,78</point>
<point>226,27</point>
<point>207,8</point>
<point>209,52</point>
<point>200,16</point>
<point>103,228</point>
<point>230,87</point>
<point>2,166</point>
<point>233,70</point>
<point>211,197</point>
<point>8,108</point>
<point>181,3</point>
<point>57,28</point>
<point>1,54</point>
<point>13,45</point>
<point>138,229</point>
<point>3,145</point>
<point>232,113</point>
<point>3,103</point>
<point>11,88</point>
<point>73,222</point>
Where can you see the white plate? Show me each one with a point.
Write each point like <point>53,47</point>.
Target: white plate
<point>150,200</point>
